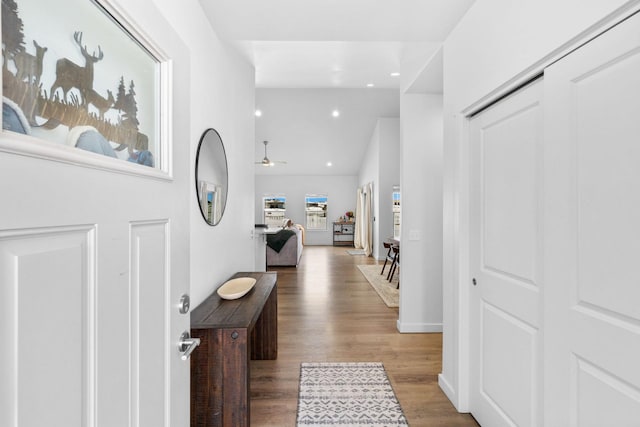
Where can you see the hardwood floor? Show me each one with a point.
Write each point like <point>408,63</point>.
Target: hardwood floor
<point>327,311</point>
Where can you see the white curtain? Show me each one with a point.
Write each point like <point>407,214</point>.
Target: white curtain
<point>363,234</point>
<point>367,226</point>
<point>357,236</point>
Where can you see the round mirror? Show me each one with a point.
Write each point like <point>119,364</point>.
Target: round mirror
<point>211,176</point>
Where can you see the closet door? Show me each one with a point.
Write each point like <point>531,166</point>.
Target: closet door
<point>592,229</point>
<point>505,261</point>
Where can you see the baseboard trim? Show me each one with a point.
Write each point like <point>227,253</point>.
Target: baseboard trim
<point>448,390</point>
<point>409,328</point>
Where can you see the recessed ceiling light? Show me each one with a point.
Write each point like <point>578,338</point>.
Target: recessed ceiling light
<point>370,84</point>
<point>258,113</point>
<point>394,74</point>
<point>335,113</point>
<point>329,164</point>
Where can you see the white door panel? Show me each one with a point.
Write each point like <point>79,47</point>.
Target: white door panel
<point>149,265</point>
<point>93,261</point>
<point>508,353</point>
<point>505,261</point>
<point>595,389</point>
<point>608,205</point>
<point>90,313</point>
<point>508,190</point>
<point>39,268</point>
<point>591,213</point>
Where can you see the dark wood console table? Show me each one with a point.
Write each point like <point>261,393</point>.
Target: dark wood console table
<point>231,332</point>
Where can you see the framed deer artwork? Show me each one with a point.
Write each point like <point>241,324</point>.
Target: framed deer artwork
<point>80,79</point>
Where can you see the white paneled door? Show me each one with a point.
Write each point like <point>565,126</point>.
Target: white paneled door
<point>92,266</point>
<point>93,262</point>
<point>592,219</point>
<point>505,244</point>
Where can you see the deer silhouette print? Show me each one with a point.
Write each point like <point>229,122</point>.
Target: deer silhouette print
<point>71,75</point>
<point>29,66</point>
<point>102,104</point>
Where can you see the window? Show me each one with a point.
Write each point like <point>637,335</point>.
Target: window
<point>274,210</point>
<point>316,212</point>
<point>396,212</point>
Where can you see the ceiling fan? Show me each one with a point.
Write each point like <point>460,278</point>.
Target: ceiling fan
<point>266,161</point>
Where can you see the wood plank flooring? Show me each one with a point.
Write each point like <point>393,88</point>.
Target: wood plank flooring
<point>328,312</point>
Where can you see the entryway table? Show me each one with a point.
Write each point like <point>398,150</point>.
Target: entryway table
<point>231,332</point>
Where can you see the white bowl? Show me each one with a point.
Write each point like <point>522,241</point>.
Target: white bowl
<point>236,288</point>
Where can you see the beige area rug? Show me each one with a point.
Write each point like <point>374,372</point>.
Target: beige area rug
<point>355,251</point>
<point>386,290</point>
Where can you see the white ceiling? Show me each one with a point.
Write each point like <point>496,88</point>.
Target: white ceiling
<point>302,131</point>
<point>338,64</point>
<point>334,44</point>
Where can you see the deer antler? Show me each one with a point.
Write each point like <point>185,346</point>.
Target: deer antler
<point>77,36</point>
<point>100,54</point>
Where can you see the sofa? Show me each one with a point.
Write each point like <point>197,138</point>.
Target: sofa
<point>290,253</point>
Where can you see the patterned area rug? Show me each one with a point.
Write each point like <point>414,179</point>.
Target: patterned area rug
<point>347,394</point>
<point>387,290</point>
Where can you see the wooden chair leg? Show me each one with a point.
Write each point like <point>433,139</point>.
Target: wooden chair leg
<point>393,263</point>
<point>384,265</point>
<point>386,259</point>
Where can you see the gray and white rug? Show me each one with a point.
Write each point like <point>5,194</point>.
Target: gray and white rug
<point>347,394</point>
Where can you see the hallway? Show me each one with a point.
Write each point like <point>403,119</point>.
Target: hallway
<point>327,311</point>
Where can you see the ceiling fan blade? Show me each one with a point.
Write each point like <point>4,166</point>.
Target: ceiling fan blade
<point>265,161</point>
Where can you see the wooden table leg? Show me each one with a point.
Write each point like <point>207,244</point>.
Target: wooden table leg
<point>264,336</point>
<point>220,379</point>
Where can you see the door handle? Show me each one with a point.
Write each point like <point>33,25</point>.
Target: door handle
<point>186,345</point>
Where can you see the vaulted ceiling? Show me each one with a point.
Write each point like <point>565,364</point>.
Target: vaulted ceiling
<point>336,44</point>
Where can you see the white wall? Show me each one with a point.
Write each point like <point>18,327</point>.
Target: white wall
<point>341,192</point>
<point>498,44</point>
<point>381,166</point>
<point>389,176</point>
<point>222,97</point>
<point>421,213</point>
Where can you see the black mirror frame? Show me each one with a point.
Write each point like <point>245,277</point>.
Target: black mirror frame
<point>226,193</point>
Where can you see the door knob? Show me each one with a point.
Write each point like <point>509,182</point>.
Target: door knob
<point>186,345</point>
